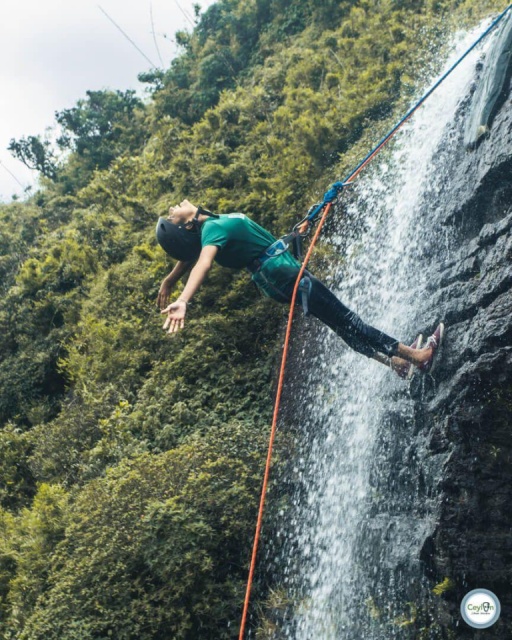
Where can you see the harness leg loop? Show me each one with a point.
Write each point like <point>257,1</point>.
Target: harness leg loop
<point>305,286</point>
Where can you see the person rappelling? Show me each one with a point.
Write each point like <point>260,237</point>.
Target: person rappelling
<point>196,238</point>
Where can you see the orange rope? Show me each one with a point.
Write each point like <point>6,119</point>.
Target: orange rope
<point>274,419</point>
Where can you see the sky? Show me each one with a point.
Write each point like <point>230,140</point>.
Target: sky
<point>53,51</point>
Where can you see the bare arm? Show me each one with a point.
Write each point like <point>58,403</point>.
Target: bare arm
<point>169,282</point>
<point>177,310</point>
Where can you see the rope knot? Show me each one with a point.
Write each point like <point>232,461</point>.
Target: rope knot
<point>333,192</point>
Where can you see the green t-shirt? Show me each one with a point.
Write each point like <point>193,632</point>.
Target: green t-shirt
<point>240,241</point>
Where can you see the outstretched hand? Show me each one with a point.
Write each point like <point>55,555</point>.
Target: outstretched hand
<point>175,316</point>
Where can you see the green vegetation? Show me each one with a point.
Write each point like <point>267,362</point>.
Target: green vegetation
<point>442,587</point>
<point>131,462</point>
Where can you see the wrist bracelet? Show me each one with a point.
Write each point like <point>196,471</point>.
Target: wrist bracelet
<point>181,300</point>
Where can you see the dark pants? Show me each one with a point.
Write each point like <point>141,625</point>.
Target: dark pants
<point>325,306</point>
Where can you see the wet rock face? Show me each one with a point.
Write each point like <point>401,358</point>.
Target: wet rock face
<point>466,408</point>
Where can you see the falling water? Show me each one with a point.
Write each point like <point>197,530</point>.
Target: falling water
<point>362,508</point>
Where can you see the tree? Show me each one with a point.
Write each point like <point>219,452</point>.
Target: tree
<point>101,127</point>
<point>35,154</point>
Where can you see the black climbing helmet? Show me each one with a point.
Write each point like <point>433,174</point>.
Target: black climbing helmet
<point>181,241</point>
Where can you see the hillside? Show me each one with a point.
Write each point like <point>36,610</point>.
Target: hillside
<point>130,461</point>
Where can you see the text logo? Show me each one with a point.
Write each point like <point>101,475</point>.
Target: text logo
<point>480,608</point>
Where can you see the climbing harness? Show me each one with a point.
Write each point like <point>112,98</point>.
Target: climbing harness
<point>303,283</point>
<point>294,240</point>
<point>301,229</point>
<point>305,286</point>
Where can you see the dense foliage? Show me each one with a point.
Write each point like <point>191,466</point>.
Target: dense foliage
<point>130,461</point>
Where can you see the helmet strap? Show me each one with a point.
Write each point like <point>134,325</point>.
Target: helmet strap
<point>203,212</point>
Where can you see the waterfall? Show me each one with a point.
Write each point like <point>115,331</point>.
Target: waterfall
<point>363,502</point>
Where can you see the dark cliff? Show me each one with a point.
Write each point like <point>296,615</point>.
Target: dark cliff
<point>465,410</point>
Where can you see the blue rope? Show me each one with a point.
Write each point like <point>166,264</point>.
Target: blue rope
<point>337,187</point>
<point>329,196</point>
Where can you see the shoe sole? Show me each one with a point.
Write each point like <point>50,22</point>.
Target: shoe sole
<point>435,357</point>
<point>406,374</point>
<point>413,368</point>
